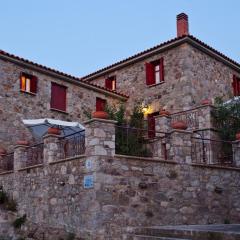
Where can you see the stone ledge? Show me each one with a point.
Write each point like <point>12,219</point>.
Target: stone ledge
<point>148,159</point>
<point>67,159</point>
<point>100,120</point>
<point>215,167</point>
<point>30,167</point>
<point>180,131</point>
<point>6,172</point>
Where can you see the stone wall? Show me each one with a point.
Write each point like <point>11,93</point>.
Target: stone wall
<point>16,105</point>
<point>190,76</point>
<point>125,191</point>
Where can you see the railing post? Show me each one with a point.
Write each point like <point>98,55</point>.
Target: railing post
<point>236,153</point>
<point>181,146</point>
<point>100,137</point>
<point>20,156</point>
<point>51,150</point>
<point>163,123</point>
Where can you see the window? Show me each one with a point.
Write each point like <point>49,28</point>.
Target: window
<point>155,72</point>
<point>28,83</point>
<point>236,85</point>
<point>100,104</point>
<point>58,97</point>
<point>110,83</point>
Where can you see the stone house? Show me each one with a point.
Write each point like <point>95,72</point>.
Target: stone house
<point>175,75</point>
<point>31,91</point>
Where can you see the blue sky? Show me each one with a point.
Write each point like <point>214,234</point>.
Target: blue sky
<point>81,36</point>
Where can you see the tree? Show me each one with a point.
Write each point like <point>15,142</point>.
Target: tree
<point>227,117</point>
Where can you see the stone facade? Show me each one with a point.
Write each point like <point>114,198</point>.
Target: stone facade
<point>16,105</point>
<point>190,76</point>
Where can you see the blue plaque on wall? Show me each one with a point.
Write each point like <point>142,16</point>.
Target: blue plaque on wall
<point>88,181</point>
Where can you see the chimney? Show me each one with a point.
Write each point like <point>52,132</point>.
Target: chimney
<point>182,25</point>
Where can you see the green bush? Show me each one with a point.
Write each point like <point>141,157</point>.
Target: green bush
<point>11,205</point>
<point>227,118</point>
<point>19,221</point>
<point>3,197</point>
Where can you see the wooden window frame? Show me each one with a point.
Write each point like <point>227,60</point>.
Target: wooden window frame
<point>151,72</point>
<point>62,107</point>
<point>32,88</point>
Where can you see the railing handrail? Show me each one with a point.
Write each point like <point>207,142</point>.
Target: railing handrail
<point>75,133</point>
<point>141,129</point>
<point>212,140</point>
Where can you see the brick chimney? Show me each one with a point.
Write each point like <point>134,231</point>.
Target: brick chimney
<point>182,24</point>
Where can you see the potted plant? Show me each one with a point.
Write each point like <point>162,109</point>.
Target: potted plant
<point>100,114</point>
<point>54,130</point>
<point>180,125</point>
<point>164,112</point>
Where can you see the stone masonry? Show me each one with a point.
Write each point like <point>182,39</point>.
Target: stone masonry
<point>124,191</point>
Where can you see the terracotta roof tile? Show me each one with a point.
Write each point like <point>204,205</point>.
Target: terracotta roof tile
<point>60,73</point>
<point>85,78</point>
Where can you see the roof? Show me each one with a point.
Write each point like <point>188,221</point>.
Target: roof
<point>62,75</point>
<point>162,47</point>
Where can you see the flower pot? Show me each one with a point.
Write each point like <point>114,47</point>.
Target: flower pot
<point>164,112</point>
<point>100,114</point>
<point>181,125</point>
<point>22,142</point>
<point>238,136</point>
<point>54,130</point>
<point>206,102</point>
<point>3,151</point>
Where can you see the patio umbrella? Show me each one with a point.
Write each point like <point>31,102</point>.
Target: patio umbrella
<point>39,127</point>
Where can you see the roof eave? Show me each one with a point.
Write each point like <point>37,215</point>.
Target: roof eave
<point>69,79</point>
<point>135,59</point>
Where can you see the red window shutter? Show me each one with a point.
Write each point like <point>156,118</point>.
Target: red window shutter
<point>234,86</point>
<point>100,104</point>
<point>21,81</point>
<point>150,79</point>
<point>33,84</point>
<point>161,69</point>
<point>58,97</point>
<point>108,83</point>
<point>238,86</point>
<point>151,126</point>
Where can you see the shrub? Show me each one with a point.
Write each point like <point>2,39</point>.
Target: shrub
<point>11,205</point>
<point>3,196</point>
<point>227,117</point>
<point>19,221</point>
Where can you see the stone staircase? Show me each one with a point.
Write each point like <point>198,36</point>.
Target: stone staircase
<point>187,232</point>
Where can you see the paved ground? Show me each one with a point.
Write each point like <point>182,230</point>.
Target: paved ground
<point>227,228</point>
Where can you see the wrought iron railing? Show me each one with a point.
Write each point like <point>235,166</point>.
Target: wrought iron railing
<point>141,142</point>
<point>72,145</point>
<point>7,162</point>
<point>212,152</point>
<point>191,117</point>
<point>34,154</point>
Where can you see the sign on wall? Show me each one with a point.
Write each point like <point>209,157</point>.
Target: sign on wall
<point>88,181</point>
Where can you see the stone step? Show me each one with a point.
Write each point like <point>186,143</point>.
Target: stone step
<point>144,237</point>
<point>194,232</point>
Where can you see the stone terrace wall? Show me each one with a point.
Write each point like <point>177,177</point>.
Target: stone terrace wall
<point>137,192</point>
<point>53,197</point>
<point>16,105</point>
<point>126,191</point>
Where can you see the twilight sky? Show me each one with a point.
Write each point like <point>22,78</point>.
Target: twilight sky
<point>81,36</point>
